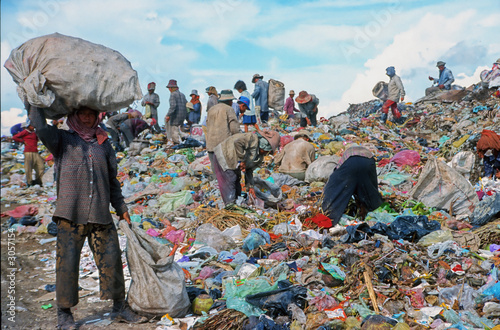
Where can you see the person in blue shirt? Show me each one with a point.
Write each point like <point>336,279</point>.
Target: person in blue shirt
<point>260,96</point>
<point>443,82</point>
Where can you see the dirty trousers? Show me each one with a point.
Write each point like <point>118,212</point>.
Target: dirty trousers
<point>394,108</point>
<point>103,242</point>
<point>229,182</point>
<point>33,161</point>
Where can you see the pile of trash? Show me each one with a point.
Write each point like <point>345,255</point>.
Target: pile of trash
<point>429,256</point>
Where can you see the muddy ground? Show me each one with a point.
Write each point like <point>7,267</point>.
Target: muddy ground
<point>30,275</point>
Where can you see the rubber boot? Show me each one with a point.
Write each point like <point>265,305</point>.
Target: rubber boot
<point>65,319</point>
<point>122,313</point>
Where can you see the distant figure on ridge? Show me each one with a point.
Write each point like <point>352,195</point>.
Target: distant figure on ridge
<point>396,93</point>
<point>443,82</point>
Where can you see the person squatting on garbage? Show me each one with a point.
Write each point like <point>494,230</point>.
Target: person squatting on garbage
<point>131,128</point>
<point>152,101</point>
<point>396,93</point>
<point>32,159</point>
<point>176,114</point>
<point>296,156</point>
<point>113,124</point>
<point>488,148</point>
<point>241,152</point>
<point>213,98</point>
<point>248,119</point>
<point>355,175</point>
<point>443,82</point>
<point>86,186</point>
<point>194,114</point>
<point>308,106</point>
<point>260,94</point>
<point>221,123</point>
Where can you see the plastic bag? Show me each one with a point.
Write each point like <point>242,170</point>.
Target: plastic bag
<point>434,237</point>
<point>157,285</point>
<point>169,202</point>
<point>442,247</point>
<point>486,210</point>
<point>406,158</point>
<point>210,235</point>
<point>321,168</point>
<point>63,73</point>
<point>276,302</point>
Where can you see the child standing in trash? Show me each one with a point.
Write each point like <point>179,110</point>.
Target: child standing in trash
<point>86,185</point>
<point>488,148</point>
<point>355,175</point>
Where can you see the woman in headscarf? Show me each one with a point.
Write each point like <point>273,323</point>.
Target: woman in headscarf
<point>355,175</point>
<point>194,114</point>
<point>86,185</point>
<point>241,152</point>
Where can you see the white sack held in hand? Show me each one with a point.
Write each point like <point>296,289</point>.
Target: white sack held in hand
<point>63,73</point>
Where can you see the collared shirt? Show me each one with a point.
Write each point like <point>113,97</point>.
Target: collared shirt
<point>307,108</point>
<point>177,111</point>
<point>445,78</point>
<point>396,89</point>
<point>153,98</point>
<point>221,124</point>
<point>260,95</point>
<point>86,178</point>
<point>29,139</point>
<point>354,151</point>
<point>290,108</point>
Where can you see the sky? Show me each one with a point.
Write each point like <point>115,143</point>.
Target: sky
<point>336,50</point>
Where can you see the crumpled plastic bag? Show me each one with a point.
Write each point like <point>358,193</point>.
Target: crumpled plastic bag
<point>169,202</point>
<point>406,158</point>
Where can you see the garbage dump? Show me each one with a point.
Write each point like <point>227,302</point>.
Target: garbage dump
<point>428,257</point>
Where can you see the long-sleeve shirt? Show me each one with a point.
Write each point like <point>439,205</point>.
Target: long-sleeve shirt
<point>290,108</point>
<point>152,98</point>
<point>445,78</point>
<point>241,147</point>
<point>212,100</point>
<point>307,108</point>
<point>260,95</point>
<point>115,121</point>
<point>295,157</point>
<point>221,124</point>
<point>86,182</point>
<point>137,125</point>
<point>396,89</point>
<point>29,139</point>
<point>177,111</point>
<point>251,111</point>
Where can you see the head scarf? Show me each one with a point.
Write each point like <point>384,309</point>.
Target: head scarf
<point>87,133</point>
<point>390,71</point>
<point>195,99</point>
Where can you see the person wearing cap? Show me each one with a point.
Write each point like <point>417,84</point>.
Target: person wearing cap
<point>194,114</point>
<point>289,107</point>
<point>87,185</point>
<point>241,152</point>
<point>355,175</point>
<point>443,82</point>
<point>176,114</point>
<point>241,87</point>
<point>131,128</point>
<point>213,96</point>
<point>32,159</point>
<point>396,93</point>
<point>260,94</point>
<point>113,125</point>
<point>248,119</point>
<point>221,122</point>
<point>308,106</point>
<point>296,156</point>
<point>152,101</point>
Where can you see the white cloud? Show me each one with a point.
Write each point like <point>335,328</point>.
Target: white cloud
<point>12,117</point>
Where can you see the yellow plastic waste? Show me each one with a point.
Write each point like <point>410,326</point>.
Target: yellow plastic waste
<point>147,225</point>
<point>458,143</point>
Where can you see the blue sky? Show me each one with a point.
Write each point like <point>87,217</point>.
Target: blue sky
<point>336,50</point>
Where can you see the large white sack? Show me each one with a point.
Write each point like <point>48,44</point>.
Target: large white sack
<point>276,95</point>
<point>63,73</point>
<point>321,168</point>
<point>442,187</point>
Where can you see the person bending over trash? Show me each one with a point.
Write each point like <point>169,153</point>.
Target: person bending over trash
<point>32,159</point>
<point>296,156</point>
<point>131,128</point>
<point>86,185</point>
<point>488,148</point>
<point>114,122</point>
<point>443,82</point>
<point>308,106</point>
<point>355,174</point>
<point>396,93</point>
<point>241,152</point>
